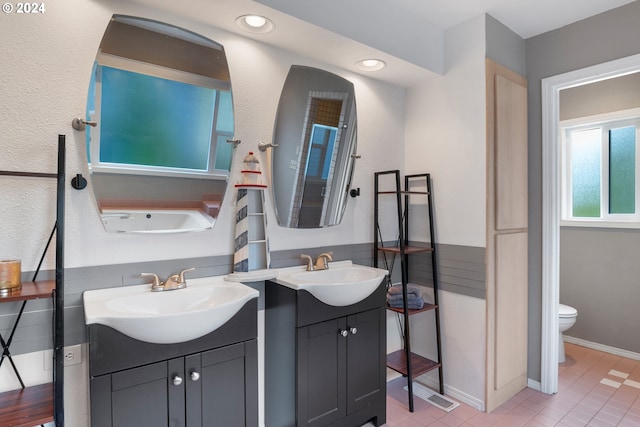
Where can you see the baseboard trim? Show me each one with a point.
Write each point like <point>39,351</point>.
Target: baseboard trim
<point>534,385</point>
<point>601,347</point>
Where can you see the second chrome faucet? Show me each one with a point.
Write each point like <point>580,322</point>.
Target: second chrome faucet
<point>173,282</point>
<point>321,263</point>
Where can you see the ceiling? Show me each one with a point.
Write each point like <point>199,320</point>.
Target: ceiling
<point>527,18</point>
<point>407,34</point>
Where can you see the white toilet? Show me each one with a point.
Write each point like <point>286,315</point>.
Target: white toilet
<point>567,318</point>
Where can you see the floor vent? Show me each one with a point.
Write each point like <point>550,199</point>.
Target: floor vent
<point>433,398</point>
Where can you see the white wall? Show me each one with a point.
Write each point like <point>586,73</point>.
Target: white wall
<point>446,136</point>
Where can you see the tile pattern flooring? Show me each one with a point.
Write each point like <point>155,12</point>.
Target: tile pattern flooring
<point>595,389</point>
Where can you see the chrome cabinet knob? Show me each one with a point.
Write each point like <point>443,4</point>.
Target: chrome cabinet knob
<point>177,380</point>
<point>353,330</point>
<point>344,332</point>
<point>195,376</point>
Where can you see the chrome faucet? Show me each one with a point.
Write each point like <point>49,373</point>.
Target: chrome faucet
<point>321,261</point>
<point>173,282</point>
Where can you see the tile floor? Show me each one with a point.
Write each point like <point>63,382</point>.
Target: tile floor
<point>595,389</point>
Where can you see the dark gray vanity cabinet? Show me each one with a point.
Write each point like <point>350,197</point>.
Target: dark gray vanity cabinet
<point>324,365</point>
<point>208,382</point>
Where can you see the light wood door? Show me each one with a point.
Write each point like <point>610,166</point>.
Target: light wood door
<point>510,154</point>
<point>507,235</point>
<point>511,311</point>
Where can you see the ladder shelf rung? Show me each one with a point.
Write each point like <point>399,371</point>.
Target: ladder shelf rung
<point>411,312</point>
<point>419,364</point>
<point>419,193</point>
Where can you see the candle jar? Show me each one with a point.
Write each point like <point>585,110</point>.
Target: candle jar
<point>10,272</point>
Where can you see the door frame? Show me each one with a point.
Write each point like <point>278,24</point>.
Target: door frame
<point>551,88</point>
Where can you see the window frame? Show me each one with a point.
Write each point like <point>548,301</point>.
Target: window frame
<point>605,122</point>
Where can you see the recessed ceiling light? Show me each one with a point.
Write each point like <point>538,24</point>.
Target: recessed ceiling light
<point>255,24</point>
<point>370,65</point>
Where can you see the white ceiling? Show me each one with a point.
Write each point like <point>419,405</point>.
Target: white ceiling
<point>407,34</point>
<point>527,18</point>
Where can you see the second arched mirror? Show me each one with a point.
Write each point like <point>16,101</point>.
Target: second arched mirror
<point>161,111</point>
<point>315,133</point>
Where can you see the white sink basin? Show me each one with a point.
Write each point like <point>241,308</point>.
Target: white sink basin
<point>167,317</point>
<point>343,283</point>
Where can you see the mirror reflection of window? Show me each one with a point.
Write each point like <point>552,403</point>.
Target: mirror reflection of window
<point>153,118</point>
<point>175,112</point>
<point>323,139</point>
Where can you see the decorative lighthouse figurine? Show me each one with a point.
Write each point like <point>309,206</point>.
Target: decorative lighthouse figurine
<point>251,251</point>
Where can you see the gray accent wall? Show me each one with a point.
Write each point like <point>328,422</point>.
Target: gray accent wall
<point>358,253</point>
<point>461,270</point>
<point>599,270</point>
<point>601,38</point>
<point>600,277</point>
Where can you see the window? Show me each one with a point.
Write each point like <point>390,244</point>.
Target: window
<point>600,170</point>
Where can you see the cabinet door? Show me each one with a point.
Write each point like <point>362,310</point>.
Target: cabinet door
<point>228,393</point>
<point>321,383</point>
<point>366,359</point>
<point>140,397</point>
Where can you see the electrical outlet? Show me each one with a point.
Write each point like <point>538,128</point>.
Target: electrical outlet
<point>72,355</point>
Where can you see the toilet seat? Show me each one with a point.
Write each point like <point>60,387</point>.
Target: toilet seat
<point>567,311</point>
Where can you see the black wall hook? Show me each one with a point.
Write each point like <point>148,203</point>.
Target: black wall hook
<point>78,182</point>
<point>355,192</point>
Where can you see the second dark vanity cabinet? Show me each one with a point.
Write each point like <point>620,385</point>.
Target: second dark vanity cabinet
<point>324,365</point>
<point>208,382</point>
